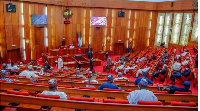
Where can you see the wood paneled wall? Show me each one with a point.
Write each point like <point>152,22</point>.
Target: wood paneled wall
<point>117,29</point>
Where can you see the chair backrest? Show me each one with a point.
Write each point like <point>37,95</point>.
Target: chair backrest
<point>10,109</point>
<point>24,82</point>
<point>40,84</point>
<point>64,86</point>
<point>2,80</point>
<point>81,99</point>
<point>177,92</point>
<point>129,90</point>
<point>92,88</point>
<point>165,92</point>
<point>107,89</point>
<point>17,92</point>
<point>48,96</point>
<point>115,101</point>
<point>149,102</point>
<point>174,103</point>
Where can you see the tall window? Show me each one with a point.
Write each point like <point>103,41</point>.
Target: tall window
<point>149,31</point>
<point>176,28</point>
<point>194,36</point>
<point>22,37</point>
<point>45,30</point>
<point>186,27</point>
<point>167,26</point>
<point>128,28</point>
<point>159,28</point>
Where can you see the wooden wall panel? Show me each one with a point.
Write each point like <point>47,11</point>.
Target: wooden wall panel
<point>116,29</point>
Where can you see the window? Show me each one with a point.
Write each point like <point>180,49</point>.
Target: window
<point>159,28</point>
<point>194,36</point>
<point>167,26</point>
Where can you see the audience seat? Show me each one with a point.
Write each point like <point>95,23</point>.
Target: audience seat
<point>107,89</point>
<point>115,101</point>
<point>191,104</point>
<point>81,99</point>
<point>2,80</point>
<point>149,103</point>
<point>64,86</point>
<point>177,92</point>
<point>10,109</point>
<point>17,92</point>
<point>40,84</point>
<point>48,96</point>
<point>92,88</point>
<point>183,78</point>
<point>163,92</point>
<point>23,82</point>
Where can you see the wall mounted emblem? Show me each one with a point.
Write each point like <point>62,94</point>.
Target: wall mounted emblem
<point>67,13</point>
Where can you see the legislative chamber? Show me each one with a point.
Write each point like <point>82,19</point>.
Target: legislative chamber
<point>98,55</point>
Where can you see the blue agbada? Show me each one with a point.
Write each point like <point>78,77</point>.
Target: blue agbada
<point>137,81</point>
<point>108,85</point>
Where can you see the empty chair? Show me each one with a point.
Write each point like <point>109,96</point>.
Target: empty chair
<point>149,102</point>
<point>191,104</point>
<point>48,96</point>
<point>17,92</point>
<point>115,101</point>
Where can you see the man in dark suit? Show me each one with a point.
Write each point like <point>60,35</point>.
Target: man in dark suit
<point>89,54</point>
<point>129,48</point>
<point>163,72</point>
<point>91,64</point>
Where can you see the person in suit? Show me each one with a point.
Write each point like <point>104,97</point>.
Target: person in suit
<point>91,64</point>
<point>172,89</point>
<point>89,54</point>
<point>109,84</point>
<point>108,62</point>
<point>184,73</point>
<point>163,72</point>
<point>129,48</point>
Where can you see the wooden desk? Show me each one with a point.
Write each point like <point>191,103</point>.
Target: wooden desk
<point>98,93</point>
<point>89,105</point>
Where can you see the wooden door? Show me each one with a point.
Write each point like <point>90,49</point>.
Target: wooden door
<point>13,55</point>
<point>39,42</point>
<point>119,48</point>
<point>98,39</point>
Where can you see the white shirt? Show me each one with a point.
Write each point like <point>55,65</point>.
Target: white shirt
<point>184,53</point>
<point>28,74</point>
<point>14,68</point>
<point>91,81</point>
<point>71,47</point>
<point>120,78</point>
<point>177,66</point>
<point>185,62</point>
<point>143,94</point>
<point>145,69</point>
<point>61,94</point>
<point>60,63</point>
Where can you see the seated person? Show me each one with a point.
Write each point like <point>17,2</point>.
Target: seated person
<point>46,69</point>
<point>141,94</point>
<point>183,54</point>
<point>47,65</point>
<point>143,70</point>
<point>28,73</point>
<point>94,73</point>
<point>53,90</point>
<point>120,67</point>
<point>172,89</point>
<point>71,46</point>
<point>144,75</point>
<point>196,60</point>
<point>119,77</point>
<point>122,58</point>
<point>4,75</point>
<point>165,56</point>
<point>91,79</point>
<point>14,69</point>
<point>4,67</point>
<point>163,72</point>
<point>187,59</point>
<point>129,68</point>
<point>141,59</point>
<point>78,74</point>
<point>160,64</point>
<point>109,84</point>
<point>177,66</point>
<point>184,73</point>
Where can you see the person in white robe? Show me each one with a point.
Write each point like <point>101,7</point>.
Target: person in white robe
<point>143,70</point>
<point>60,63</point>
<point>28,73</point>
<point>186,61</point>
<point>120,77</point>
<point>129,68</point>
<point>53,87</point>
<point>91,80</point>
<point>176,66</point>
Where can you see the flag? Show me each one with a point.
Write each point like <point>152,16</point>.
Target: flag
<point>80,40</point>
<point>76,43</point>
